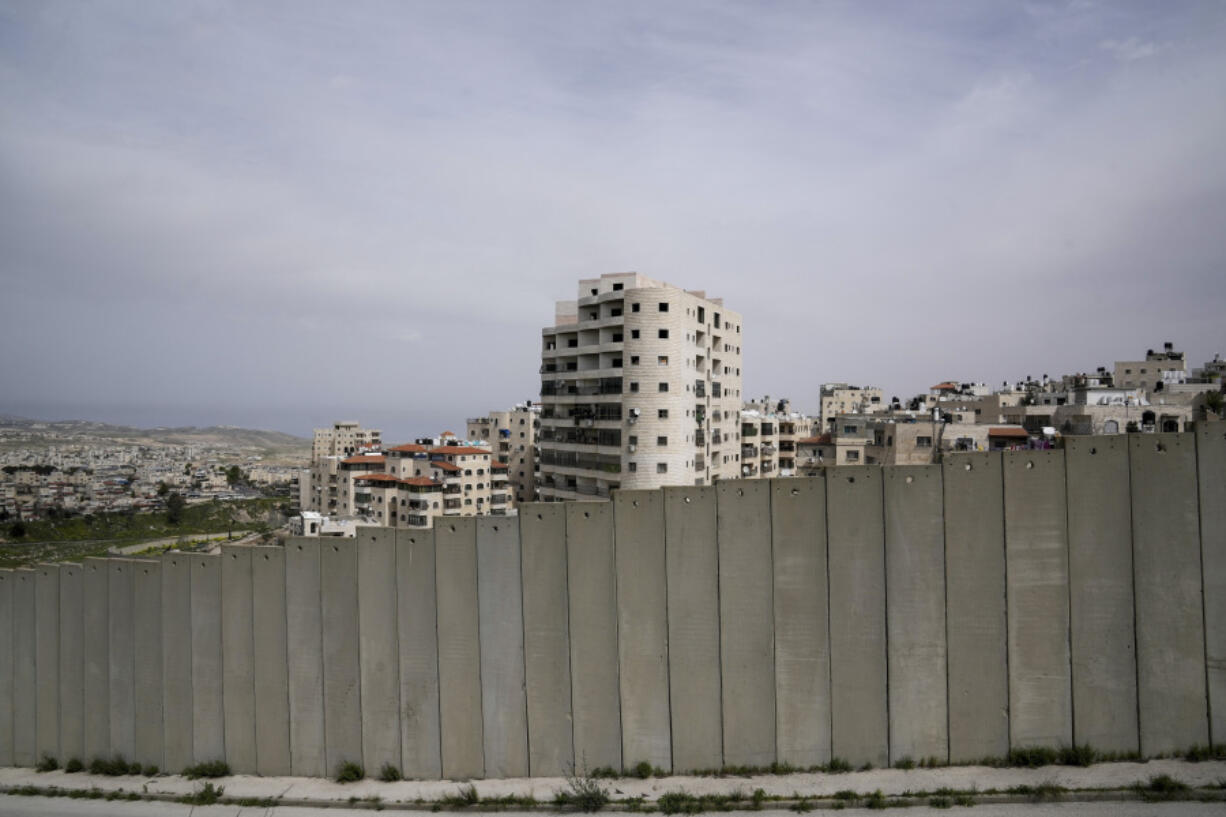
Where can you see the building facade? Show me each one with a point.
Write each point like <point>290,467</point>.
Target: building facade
<point>640,388</point>
<point>345,438</point>
<point>512,435</point>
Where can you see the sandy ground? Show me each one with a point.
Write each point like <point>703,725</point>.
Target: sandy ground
<point>888,781</point>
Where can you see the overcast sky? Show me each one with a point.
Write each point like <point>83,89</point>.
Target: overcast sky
<point>280,214</point>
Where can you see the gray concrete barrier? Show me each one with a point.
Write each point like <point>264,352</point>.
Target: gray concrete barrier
<point>692,569</point>
<point>1038,598</point>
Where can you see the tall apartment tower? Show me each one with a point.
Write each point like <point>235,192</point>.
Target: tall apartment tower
<point>640,388</point>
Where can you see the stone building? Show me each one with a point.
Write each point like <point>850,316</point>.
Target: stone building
<point>640,388</point>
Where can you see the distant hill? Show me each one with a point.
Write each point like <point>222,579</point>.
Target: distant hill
<point>22,432</point>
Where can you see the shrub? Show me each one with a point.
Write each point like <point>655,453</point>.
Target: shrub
<point>876,800</point>
<point>206,795</point>
<point>584,793</point>
<point>1032,756</point>
<point>212,768</point>
<point>465,796</point>
<point>150,771</point>
<point>115,767</point>
<point>350,772</point>
<point>837,765</point>
<point>939,802</point>
<point>74,765</point>
<point>905,763</point>
<point>47,764</point>
<point>1083,755</point>
<point>390,774</point>
<point>1162,787</point>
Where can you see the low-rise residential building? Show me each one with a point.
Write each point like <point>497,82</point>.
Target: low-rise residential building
<point>512,436</point>
<point>843,398</point>
<point>769,433</point>
<point>1155,372</point>
<point>345,438</point>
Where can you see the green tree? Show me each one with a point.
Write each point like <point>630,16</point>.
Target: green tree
<point>163,489</point>
<point>1214,401</point>
<point>175,503</point>
<point>235,475</point>
<point>17,530</point>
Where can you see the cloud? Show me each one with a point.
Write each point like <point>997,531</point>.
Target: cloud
<point>1130,49</point>
<point>281,206</point>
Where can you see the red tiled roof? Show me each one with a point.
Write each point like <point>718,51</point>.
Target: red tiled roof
<point>459,449</point>
<point>361,460</point>
<point>420,481</point>
<point>499,466</point>
<point>443,465</point>
<point>409,448</point>
<point>1006,431</point>
<point>944,386</point>
<point>377,477</point>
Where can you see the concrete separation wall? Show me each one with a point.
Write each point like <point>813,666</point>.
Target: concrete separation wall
<point>952,612</point>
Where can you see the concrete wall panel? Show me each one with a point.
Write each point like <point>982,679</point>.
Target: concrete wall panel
<point>1100,593</point>
<point>6,667</point>
<point>147,662</point>
<point>642,627</point>
<point>271,662</point>
<point>1211,467</point>
<point>378,647</point>
<point>975,606</point>
<point>551,750</point>
<point>1036,569</point>
<point>915,612</point>
<point>859,724</point>
<point>593,635</point>
<point>208,717</point>
<point>747,616</point>
<point>459,647</point>
<point>338,566</point>
<point>420,741</point>
<point>238,657</point>
<point>177,708</point>
<point>25,677</point>
<point>802,621</point>
<point>122,659</point>
<point>47,658</point>
<point>500,606</point>
<point>692,552</point>
<point>304,637</point>
<point>72,664</point>
<point>1166,560</point>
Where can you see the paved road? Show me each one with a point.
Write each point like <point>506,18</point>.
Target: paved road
<point>59,807</point>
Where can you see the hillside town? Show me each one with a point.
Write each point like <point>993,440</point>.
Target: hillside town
<point>47,472</point>
<point>641,387</point>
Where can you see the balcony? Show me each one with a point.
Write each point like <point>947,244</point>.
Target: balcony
<point>700,439</point>
<point>749,430</point>
<point>498,499</point>
<point>749,451</point>
<point>768,450</point>
<point>700,388</point>
<point>451,504</point>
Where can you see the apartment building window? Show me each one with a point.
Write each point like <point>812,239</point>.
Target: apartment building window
<point>618,287</point>
<point>634,307</point>
<point>662,334</point>
<point>923,442</point>
<point>661,440</point>
<point>662,414</point>
<point>634,386</point>
<point>468,472</point>
<point>634,360</point>
<point>634,334</point>
<point>663,306</point>
<point>632,439</point>
<point>662,360</point>
<point>617,363</point>
<point>663,387</point>
<point>853,456</point>
<point>633,467</point>
<point>661,468</point>
<point>849,429</point>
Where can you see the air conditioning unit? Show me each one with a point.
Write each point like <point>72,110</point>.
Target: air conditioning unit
<point>634,412</point>
<point>631,448</point>
<point>632,419</point>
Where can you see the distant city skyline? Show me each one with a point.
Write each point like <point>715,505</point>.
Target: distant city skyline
<point>284,214</point>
